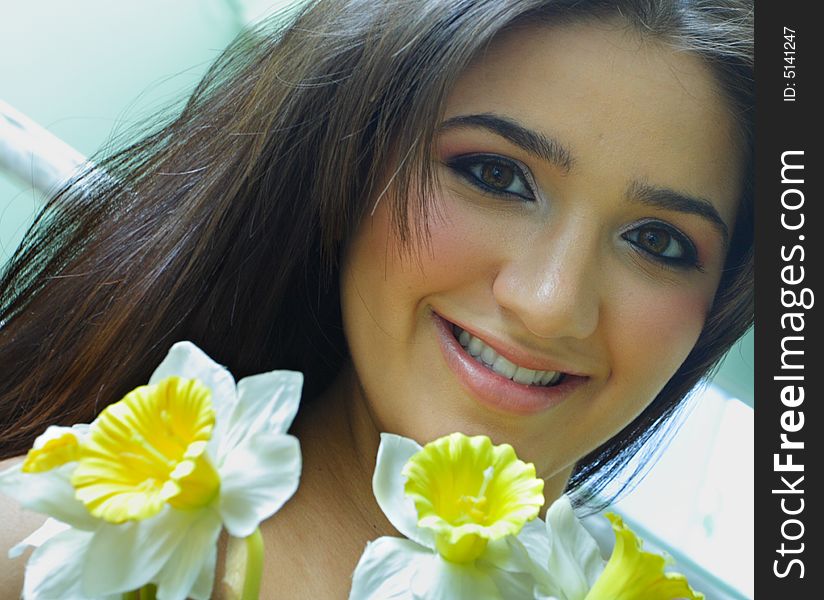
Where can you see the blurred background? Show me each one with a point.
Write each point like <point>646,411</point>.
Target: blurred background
<point>90,70</point>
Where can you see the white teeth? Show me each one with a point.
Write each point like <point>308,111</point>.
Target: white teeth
<point>504,367</point>
<point>550,377</point>
<point>488,355</point>
<point>475,346</point>
<point>524,375</point>
<point>501,365</point>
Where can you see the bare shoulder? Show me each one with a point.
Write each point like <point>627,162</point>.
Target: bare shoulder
<point>17,523</point>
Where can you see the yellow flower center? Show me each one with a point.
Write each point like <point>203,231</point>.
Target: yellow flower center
<point>469,492</point>
<point>147,450</point>
<point>633,574</point>
<point>55,452</point>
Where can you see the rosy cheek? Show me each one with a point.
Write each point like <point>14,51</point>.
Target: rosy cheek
<point>658,331</point>
<point>391,279</point>
<point>459,249</point>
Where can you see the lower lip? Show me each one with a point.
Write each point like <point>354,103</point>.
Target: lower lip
<point>494,390</point>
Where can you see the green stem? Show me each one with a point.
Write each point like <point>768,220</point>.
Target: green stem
<point>147,592</point>
<point>254,566</point>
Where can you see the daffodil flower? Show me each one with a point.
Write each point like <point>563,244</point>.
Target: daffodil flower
<point>460,501</point>
<point>570,566</point>
<point>140,496</point>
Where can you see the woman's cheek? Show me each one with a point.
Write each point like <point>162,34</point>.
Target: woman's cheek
<point>456,252</point>
<point>461,248</point>
<point>395,283</point>
<point>657,331</point>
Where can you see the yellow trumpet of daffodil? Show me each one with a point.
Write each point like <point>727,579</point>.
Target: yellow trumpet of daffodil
<point>460,501</point>
<point>634,574</point>
<point>569,565</point>
<point>469,492</point>
<point>148,450</point>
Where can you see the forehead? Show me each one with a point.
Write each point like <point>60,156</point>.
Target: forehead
<point>627,107</point>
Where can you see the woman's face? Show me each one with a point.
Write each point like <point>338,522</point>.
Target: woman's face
<point>588,185</point>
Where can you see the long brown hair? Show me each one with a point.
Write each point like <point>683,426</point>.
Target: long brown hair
<point>225,226</point>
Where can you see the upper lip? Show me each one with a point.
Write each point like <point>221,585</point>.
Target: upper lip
<point>517,355</point>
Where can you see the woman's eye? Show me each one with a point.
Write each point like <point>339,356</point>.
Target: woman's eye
<point>494,174</point>
<point>664,243</point>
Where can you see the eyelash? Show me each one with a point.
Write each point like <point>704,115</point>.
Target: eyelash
<point>466,166</point>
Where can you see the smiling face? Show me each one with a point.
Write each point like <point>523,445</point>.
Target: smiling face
<point>588,179</point>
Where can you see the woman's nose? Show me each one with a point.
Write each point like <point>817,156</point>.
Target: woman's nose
<point>553,287</point>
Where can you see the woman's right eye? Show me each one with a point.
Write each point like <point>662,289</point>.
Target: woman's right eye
<point>494,174</point>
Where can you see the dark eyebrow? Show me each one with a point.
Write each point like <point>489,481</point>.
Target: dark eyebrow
<point>533,142</point>
<point>668,199</point>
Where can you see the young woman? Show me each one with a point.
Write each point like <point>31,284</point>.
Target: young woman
<point>528,219</point>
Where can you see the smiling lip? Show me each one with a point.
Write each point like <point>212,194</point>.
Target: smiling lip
<point>494,390</point>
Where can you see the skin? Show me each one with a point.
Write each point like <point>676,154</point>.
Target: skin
<point>556,277</point>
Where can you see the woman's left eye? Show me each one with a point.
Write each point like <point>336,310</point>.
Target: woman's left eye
<point>494,174</point>
<point>664,243</point>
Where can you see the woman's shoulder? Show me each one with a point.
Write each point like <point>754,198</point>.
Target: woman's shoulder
<point>18,523</point>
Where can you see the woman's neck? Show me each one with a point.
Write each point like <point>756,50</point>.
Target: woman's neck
<point>314,542</point>
<point>339,443</point>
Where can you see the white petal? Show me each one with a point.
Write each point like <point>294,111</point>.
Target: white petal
<point>257,478</point>
<point>574,561</point>
<point>178,576</point>
<point>266,403</point>
<point>187,360</point>
<point>49,493</point>
<point>40,536</point>
<point>386,569</point>
<point>387,485</point>
<point>532,540</point>
<point>533,537</point>
<point>127,556</point>
<point>439,579</point>
<point>80,430</point>
<point>202,588</point>
<point>510,553</point>
<point>510,566</point>
<point>512,585</point>
<point>54,569</point>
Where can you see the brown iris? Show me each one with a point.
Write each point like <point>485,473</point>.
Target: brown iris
<point>497,175</point>
<point>654,239</point>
